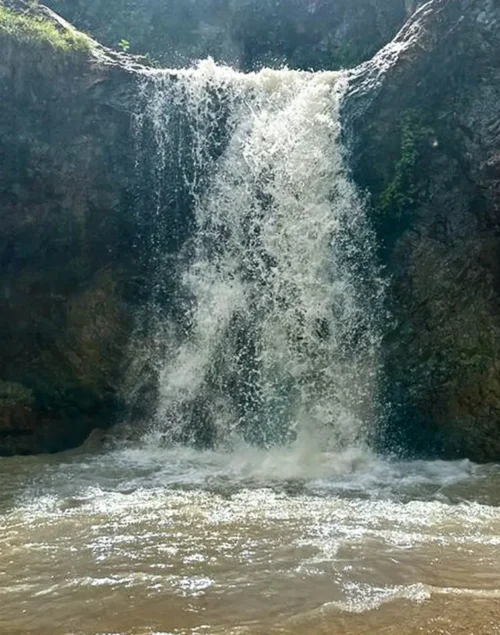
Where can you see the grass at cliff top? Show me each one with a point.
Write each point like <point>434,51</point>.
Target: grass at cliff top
<point>37,30</point>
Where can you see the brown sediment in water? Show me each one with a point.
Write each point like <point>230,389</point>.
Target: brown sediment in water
<point>133,543</point>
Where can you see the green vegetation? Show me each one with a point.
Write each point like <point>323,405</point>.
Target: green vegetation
<point>124,45</point>
<point>400,196</point>
<point>12,394</point>
<point>38,30</point>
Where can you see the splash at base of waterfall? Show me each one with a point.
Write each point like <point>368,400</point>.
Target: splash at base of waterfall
<point>143,541</point>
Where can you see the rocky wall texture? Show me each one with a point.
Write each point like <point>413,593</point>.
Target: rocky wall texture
<point>66,232</point>
<point>249,34</point>
<point>424,122</point>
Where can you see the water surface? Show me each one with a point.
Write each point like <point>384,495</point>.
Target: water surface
<point>147,540</point>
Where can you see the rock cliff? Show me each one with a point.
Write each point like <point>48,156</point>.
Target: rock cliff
<point>248,34</point>
<point>66,230</point>
<point>421,119</point>
<point>425,131</point>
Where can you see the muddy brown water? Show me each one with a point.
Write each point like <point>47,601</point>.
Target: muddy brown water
<point>146,541</point>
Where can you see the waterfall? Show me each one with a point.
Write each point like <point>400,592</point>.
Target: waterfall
<point>266,312</point>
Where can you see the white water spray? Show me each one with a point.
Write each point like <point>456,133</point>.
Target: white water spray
<point>277,338</point>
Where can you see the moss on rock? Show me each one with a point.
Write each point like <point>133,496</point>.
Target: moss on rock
<point>400,196</point>
<point>36,30</point>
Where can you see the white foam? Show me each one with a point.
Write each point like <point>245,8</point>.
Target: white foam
<point>279,335</point>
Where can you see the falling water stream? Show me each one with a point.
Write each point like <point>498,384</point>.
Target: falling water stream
<point>253,501</point>
<point>276,330</point>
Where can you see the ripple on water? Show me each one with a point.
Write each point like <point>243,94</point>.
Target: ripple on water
<point>149,541</point>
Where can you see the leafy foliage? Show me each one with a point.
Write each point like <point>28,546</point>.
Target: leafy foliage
<point>400,195</point>
<point>124,45</point>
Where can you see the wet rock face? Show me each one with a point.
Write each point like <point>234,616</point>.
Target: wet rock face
<point>425,124</point>
<point>65,243</point>
<point>16,408</point>
<point>249,34</point>
<point>422,120</point>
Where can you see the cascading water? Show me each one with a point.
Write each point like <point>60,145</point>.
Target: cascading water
<point>261,328</point>
<point>273,328</point>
